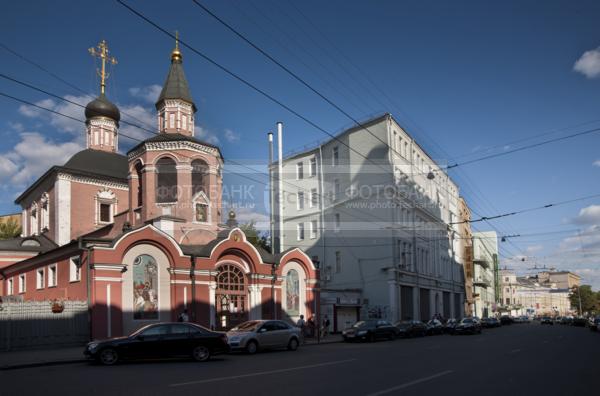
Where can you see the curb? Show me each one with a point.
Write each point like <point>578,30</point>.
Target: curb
<point>40,364</point>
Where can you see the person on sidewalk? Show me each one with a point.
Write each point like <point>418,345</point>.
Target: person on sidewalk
<point>325,329</point>
<point>301,323</point>
<point>183,317</point>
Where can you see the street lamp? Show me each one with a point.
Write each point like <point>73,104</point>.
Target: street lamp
<point>317,263</point>
<point>274,268</point>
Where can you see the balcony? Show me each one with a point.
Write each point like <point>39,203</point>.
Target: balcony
<point>482,282</point>
<point>482,262</point>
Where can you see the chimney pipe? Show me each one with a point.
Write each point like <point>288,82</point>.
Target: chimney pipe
<point>271,189</point>
<point>280,183</point>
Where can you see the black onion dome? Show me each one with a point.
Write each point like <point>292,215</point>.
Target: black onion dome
<point>102,107</point>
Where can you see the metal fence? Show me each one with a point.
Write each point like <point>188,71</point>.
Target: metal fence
<point>33,324</point>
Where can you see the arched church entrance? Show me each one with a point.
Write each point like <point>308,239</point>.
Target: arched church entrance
<point>231,297</point>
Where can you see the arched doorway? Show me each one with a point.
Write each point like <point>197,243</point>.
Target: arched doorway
<point>231,297</point>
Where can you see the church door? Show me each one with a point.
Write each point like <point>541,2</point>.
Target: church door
<point>231,297</point>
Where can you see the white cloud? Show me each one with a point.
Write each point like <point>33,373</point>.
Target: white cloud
<point>231,136</point>
<point>205,135</point>
<point>588,215</point>
<point>149,93</point>
<point>7,168</point>
<point>589,63</point>
<point>534,248</point>
<point>596,163</point>
<point>247,214</point>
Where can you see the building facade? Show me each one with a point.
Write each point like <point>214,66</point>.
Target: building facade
<point>465,236</point>
<point>379,215</point>
<point>485,260</point>
<point>140,237</point>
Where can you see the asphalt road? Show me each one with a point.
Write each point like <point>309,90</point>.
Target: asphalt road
<point>524,359</point>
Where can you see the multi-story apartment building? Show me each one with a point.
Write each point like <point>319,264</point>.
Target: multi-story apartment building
<point>379,215</point>
<point>465,250</point>
<point>485,260</point>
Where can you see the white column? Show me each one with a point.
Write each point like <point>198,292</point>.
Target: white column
<point>24,223</point>
<point>452,313</point>
<point>184,297</point>
<point>393,296</point>
<point>211,298</point>
<point>432,305</point>
<point>62,187</point>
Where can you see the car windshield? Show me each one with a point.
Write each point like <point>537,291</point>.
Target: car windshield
<point>247,326</point>
<point>140,330</point>
<point>363,323</point>
<point>466,320</point>
<point>404,324</point>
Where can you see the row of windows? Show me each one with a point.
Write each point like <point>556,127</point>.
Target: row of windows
<point>313,224</point>
<point>172,122</point>
<point>312,169</point>
<point>45,277</point>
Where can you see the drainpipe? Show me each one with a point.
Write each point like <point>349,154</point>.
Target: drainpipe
<point>193,277</point>
<point>280,183</point>
<point>88,280</point>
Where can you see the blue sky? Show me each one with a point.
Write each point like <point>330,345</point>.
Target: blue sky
<point>460,76</point>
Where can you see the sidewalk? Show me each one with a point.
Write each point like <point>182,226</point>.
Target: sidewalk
<point>40,357</point>
<point>46,357</point>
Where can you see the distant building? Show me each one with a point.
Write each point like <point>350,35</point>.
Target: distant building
<point>465,252</point>
<point>538,294</point>
<point>383,228</point>
<point>485,260</point>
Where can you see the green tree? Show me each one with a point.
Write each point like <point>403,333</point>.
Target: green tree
<point>9,229</point>
<point>590,301</point>
<point>255,237</point>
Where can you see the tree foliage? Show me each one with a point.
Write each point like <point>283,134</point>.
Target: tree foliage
<point>256,237</point>
<point>590,300</point>
<point>9,229</point>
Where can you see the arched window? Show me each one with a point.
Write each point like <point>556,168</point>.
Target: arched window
<point>200,181</point>
<point>33,220</point>
<point>145,288</point>
<point>230,296</point>
<point>44,212</point>
<point>138,172</point>
<point>166,180</point>
<point>292,293</point>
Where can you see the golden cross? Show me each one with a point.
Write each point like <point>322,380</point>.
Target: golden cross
<point>102,53</point>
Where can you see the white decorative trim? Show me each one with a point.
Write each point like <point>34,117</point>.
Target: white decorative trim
<point>92,181</point>
<point>173,145</point>
<point>175,244</point>
<point>281,259</point>
<point>244,240</point>
<point>107,279</point>
<point>110,267</point>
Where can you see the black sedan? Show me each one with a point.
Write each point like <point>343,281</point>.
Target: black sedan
<point>411,328</point>
<point>435,327</point>
<point>468,326</point>
<point>490,322</point>
<point>371,330</point>
<point>161,340</point>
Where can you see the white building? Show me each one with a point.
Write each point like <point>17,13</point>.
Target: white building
<point>485,260</point>
<point>379,227</point>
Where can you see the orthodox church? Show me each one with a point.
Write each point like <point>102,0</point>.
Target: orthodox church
<point>139,236</point>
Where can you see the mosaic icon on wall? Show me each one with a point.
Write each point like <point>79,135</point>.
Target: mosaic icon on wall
<point>145,288</point>
<point>292,287</point>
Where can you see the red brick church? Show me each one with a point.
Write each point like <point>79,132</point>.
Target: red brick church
<point>140,236</point>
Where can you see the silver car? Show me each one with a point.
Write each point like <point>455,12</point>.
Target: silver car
<point>255,335</point>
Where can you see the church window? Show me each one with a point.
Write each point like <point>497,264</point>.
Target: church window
<point>292,293</point>
<point>200,177</point>
<point>34,220</point>
<point>10,286</point>
<point>166,180</point>
<point>172,120</point>
<point>52,275</point>
<point>44,213</point>
<point>40,278</point>
<point>138,171</point>
<point>184,123</point>
<point>104,213</point>
<point>145,288</point>
<point>74,269</point>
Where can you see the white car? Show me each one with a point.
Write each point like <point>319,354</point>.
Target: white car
<point>255,335</point>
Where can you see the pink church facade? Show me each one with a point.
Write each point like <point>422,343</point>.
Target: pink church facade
<point>140,237</point>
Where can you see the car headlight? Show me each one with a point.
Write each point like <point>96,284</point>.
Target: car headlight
<point>361,333</point>
<point>92,346</point>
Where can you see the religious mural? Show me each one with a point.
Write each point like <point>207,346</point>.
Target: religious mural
<point>145,288</point>
<point>292,287</point>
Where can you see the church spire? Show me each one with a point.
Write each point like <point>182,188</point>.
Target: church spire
<point>175,105</point>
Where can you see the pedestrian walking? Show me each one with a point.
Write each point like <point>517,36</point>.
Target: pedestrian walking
<point>325,329</point>
<point>301,323</point>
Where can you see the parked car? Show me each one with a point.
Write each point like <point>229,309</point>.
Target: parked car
<point>435,327</point>
<point>468,326</point>
<point>490,322</point>
<point>547,320</point>
<point>566,320</point>
<point>505,320</point>
<point>256,335</point>
<point>160,340</point>
<point>595,323</point>
<point>371,330</point>
<point>525,319</point>
<point>579,321</point>
<point>450,325</point>
<point>411,328</point>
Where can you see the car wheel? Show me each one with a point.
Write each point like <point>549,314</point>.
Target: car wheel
<point>201,353</point>
<point>252,347</point>
<point>293,344</point>
<point>108,356</point>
